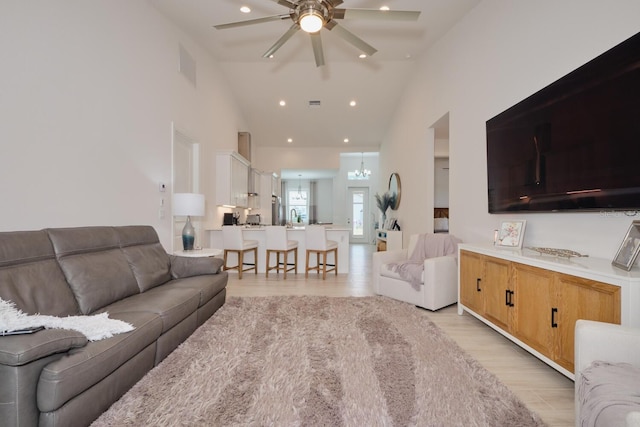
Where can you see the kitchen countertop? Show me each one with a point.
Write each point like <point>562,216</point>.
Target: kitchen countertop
<point>339,234</point>
<point>294,228</point>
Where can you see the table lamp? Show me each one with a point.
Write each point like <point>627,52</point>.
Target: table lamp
<point>188,204</point>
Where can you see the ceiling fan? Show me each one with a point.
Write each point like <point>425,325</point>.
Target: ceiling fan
<point>313,15</point>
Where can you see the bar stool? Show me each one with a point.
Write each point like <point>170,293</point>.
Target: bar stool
<point>276,241</point>
<point>316,241</point>
<point>232,241</point>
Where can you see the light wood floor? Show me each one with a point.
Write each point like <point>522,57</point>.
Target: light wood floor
<point>541,388</point>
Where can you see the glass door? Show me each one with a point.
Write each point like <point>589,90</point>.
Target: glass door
<point>358,219</point>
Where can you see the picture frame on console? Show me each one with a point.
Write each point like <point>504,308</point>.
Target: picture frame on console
<point>511,234</point>
<point>629,248</point>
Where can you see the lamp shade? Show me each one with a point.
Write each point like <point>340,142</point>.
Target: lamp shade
<point>188,204</point>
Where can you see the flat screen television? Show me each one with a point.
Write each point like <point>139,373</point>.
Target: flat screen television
<point>574,145</point>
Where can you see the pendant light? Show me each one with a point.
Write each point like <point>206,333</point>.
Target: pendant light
<point>362,172</point>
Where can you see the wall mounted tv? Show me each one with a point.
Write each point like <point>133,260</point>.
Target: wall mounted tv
<point>574,145</point>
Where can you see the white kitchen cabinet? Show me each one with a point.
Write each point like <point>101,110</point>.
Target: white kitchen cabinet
<point>255,191</point>
<point>232,179</point>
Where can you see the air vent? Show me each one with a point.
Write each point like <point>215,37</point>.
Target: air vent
<point>314,104</point>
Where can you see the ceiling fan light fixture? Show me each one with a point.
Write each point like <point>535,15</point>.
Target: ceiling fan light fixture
<point>311,21</point>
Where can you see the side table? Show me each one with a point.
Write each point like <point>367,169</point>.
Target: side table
<point>198,253</point>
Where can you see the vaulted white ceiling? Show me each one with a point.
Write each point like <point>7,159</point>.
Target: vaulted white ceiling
<point>375,83</point>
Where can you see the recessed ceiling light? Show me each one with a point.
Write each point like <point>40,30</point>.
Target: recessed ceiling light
<point>362,55</point>
<point>353,103</point>
<point>385,8</point>
<point>289,140</point>
<point>346,140</point>
<point>245,9</point>
<point>283,103</point>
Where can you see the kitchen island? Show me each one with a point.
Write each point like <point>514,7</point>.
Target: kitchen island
<point>339,234</point>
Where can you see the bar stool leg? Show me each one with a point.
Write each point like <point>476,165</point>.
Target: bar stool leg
<point>286,266</point>
<point>255,261</point>
<point>324,265</point>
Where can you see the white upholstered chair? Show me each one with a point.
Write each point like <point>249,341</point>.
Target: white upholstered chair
<point>233,241</point>
<point>278,244</point>
<point>438,285</point>
<point>613,344</point>
<point>316,242</point>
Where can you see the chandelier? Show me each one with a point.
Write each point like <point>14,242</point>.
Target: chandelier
<point>300,195</point>
<point>362,172</point>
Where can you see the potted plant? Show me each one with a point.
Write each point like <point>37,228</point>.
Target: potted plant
<point>384,201</point>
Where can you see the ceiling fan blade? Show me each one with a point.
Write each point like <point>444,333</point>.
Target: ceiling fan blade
<point>318,53</point>
<point>252,21</point>
<point>350,37</point>
<point>282,40</point>
<point>335,3</point>
<point>376,14</point>
<point>286,3</point>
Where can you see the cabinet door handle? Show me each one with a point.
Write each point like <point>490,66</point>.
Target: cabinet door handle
<point>478,284</point>
<point>511,293</point>
<point>507,294</point>
<point>553,317</point>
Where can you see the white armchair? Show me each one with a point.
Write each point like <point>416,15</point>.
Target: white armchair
<point>439,287</point>
<point>607,342</point>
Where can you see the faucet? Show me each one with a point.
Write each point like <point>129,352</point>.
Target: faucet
<point>291,214</point>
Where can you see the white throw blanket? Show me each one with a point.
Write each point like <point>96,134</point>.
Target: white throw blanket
<point>94,327</point>
<point>427,246</point>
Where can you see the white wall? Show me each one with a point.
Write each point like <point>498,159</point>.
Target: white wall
<point>278,158</point>
<point>88,94</point>
<point>324,200</point>
<point>500,53</point>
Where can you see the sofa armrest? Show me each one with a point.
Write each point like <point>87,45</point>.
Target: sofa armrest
<point>384,257</point>
<point>17,350</point>
<point>441,270</point>
<point>190,266</point>
<point>607,342</point>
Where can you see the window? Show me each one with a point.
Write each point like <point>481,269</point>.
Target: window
<point>297,199</point>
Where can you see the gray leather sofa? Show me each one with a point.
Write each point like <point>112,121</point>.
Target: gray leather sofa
<point>57,377</point>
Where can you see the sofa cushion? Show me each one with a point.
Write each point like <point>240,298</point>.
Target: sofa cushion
<point>150,265</point>
<point>94,265</point>
<point>208,286</point>
<point>173,305</point>
<point>146,256</point>
<point>386,271</point>
<point>30,275</point>
<point>607,393</point>
<point>83,367</point>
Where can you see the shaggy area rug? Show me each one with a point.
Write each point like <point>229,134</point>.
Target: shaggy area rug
<point>310,361</point>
